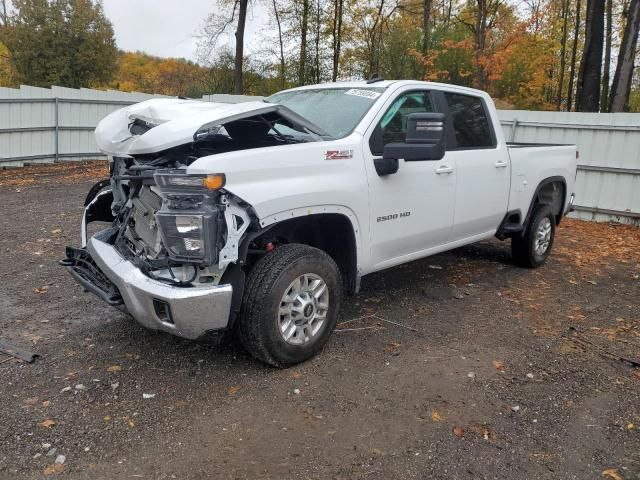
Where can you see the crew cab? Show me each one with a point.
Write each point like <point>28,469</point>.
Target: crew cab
<point>256,218</point>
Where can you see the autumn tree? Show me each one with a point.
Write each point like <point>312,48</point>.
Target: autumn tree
<point>216,26</point>
<point>622,80</point>
<point>64,42</point>
<point>589,76</point>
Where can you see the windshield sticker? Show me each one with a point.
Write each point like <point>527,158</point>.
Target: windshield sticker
<point>362,93</point>
<point>338,154</point>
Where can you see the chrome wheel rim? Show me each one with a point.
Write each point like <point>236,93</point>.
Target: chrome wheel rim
<point>543,236</point>
<point>303,309</point>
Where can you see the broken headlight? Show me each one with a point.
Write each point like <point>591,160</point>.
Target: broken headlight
<point>184,236</point>
<point>188,219</point>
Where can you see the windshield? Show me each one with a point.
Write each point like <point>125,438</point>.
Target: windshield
<point>336,110</point>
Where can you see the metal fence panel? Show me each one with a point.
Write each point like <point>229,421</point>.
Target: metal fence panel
<point>608,180</point>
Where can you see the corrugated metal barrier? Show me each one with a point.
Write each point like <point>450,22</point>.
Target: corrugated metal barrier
<point>608,180</point>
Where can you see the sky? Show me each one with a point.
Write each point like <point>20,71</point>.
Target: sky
<point>165,28</point>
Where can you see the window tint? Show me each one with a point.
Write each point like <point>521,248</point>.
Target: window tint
<point>470,121</point>
<point>394,122</point>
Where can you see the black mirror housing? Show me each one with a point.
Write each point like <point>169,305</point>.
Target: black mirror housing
<point>385,166</point>
<point>425,139</point>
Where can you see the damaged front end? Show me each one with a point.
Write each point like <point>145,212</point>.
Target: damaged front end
<point>170,240</point>
<point>170,254</point>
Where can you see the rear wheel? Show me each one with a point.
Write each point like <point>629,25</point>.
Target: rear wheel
<point>534,246</point>
<point>290,305</point>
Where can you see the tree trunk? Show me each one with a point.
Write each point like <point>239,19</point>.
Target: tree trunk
<point>282,60</point>
<point>302,66</point>
<point>621,87</point>
<point>604,98</point>
<point>588,96</point>
<point>426,28</point>
<point>318,25</point>
<point>480,77</point>
<point>238,86</point>
<point>337,36</point>
<point>574,51</point>
<point>3,15</point>
<point>563,52</point>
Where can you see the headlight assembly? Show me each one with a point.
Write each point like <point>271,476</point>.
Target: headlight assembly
<point>189,217</point>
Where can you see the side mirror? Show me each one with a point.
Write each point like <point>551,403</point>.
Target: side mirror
<point>425,139</point>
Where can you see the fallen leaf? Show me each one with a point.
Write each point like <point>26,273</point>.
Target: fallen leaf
<point>233,390</point>
<point>458,432</point>
<point>612,473</point>
<point>295,375</point>
<point>57,230</point>
<point>48,423</point>
<point>180,403</point>
<point>54,469</point>
<point>499,365</point>
<point>435,416</point>
<point>41,289</point>
<point>107,418</point>
<point>637,373</point>
<point>392,347</point>
<point>31,401</point>
<point>46,403</point>
<point>630,426</point>
<point>114,368</point>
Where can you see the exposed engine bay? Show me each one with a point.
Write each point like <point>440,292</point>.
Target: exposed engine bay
<point>177,228</point>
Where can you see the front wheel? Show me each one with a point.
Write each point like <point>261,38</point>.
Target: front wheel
<point>290,305</point>
<point>534,246</point>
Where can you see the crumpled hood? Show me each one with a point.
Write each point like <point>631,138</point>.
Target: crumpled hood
<point>176,121</point>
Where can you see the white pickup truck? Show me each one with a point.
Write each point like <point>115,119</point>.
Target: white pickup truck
<point>257,217</point>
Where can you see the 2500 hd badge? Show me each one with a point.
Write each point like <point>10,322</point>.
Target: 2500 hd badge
<point>393,216</point>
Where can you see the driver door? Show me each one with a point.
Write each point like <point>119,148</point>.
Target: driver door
<point>411,211</point>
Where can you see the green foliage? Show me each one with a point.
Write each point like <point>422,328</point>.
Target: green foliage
<point>60,42</point>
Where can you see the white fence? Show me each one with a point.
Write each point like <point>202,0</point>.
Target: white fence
<point>47,125</point>
<point>41,125</point>
<point>608,181</point>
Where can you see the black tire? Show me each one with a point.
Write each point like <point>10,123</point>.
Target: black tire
<point>259,322</point>
<point>523,248</point>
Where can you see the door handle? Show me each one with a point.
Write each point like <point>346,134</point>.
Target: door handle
<point>500,164</point>
<point>444,169</point>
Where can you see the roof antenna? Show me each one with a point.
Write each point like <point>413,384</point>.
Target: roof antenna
<point>374,78</point>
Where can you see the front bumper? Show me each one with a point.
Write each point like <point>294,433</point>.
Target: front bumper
<point>185,312</point>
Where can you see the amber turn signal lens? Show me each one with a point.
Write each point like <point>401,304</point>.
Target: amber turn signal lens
<point>213,182</point>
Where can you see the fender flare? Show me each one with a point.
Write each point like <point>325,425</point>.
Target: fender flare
<point>542,183</point>
<point>269,221</point>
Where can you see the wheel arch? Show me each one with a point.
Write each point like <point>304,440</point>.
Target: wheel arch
<point>331,228</point>
<point>550,191</point>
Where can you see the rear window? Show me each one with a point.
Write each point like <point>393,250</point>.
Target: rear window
<point>470,121</point>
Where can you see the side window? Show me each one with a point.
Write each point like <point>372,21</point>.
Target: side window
<point>394,122</point>
<point>470,121</point>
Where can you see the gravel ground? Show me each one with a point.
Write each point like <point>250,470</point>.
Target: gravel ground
<point>487,371</point>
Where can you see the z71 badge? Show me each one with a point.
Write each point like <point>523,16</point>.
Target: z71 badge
<point>338,154</point>
<point>393,216</point>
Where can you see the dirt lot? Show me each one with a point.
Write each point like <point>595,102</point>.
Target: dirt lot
<point>487,371</point>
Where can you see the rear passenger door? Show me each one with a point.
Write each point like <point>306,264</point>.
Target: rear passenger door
<point>483,168</point>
